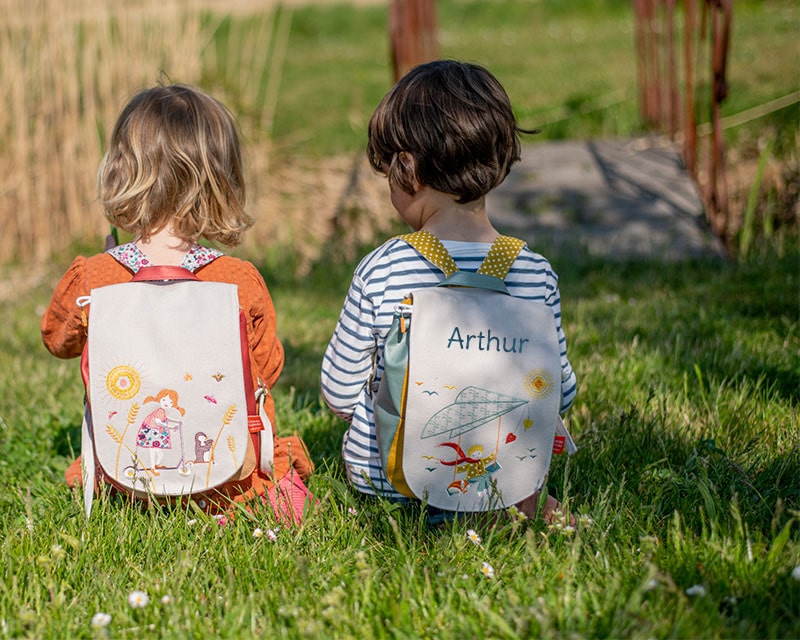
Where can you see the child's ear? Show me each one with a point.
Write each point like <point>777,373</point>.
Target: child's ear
<point>407,172</point>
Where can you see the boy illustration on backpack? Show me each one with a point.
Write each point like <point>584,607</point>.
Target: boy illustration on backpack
<point>424,380</point>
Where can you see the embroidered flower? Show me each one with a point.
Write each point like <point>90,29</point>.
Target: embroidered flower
<point>473,537</point>
<point>487,570</point>
<point>100,620</point>
<point>138,599</point>
<point>696,590</point>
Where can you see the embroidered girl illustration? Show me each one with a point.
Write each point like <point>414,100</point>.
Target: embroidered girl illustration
<point>155,430</point>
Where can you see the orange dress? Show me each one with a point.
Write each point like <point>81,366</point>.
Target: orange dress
<point>64,334</point>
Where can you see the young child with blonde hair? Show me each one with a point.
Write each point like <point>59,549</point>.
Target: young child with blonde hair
<point>172,175</point>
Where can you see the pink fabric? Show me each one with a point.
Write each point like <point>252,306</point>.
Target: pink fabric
<point>291,499</point>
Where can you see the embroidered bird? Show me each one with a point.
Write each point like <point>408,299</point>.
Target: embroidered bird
<point>218,376</point>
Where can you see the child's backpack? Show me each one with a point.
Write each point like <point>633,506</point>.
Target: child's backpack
<point>171,409</point>
<point>468,407</point>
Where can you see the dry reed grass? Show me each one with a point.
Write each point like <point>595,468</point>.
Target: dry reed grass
<point>67,67</point>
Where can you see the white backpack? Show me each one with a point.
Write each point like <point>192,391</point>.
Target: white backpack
<point>171,410</point>
<point>467,411</point>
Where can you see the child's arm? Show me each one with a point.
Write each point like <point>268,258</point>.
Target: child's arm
<point>265,347</point>
<point>349,358</point>
<point>63,332</point>
<point>568,379</point>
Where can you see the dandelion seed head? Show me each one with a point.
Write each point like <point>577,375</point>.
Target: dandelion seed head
<point>100,620</point>
<point>138,599</point>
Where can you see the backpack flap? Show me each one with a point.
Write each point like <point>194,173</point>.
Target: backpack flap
<point>482,399</point>
<point>166,386</point>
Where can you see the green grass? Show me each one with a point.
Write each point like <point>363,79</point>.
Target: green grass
<point>687,474</point>
<point>569,68</point>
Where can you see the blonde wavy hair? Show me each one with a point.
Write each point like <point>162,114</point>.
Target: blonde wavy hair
<point>174,159</point>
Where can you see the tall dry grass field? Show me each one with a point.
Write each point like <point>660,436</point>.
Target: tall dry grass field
<point>66,69</point>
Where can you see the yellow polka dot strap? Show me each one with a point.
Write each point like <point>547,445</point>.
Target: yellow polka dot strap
<point>501,256</point>
<point>432,250</point>
<point>498,261</point>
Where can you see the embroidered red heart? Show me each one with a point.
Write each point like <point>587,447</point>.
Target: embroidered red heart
<point>510,438</point>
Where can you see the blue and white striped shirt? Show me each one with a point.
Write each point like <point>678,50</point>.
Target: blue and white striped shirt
<point>353,362</point>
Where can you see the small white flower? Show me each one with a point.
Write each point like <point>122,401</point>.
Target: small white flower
<point>100,620</point>
<point>569,529</point>
<point>166,599</point>
<point>474,538</point>
<point>271,535</point>
<point>218,516</point>
<point>352,511</point>
<point>697,590</point>
<point>585,521</point>
<point>191,522</point>
<point>796,573</point>
<point>138,599</point>
<point>652,584</point>
<point>258,532</point>
<point>487,570</point>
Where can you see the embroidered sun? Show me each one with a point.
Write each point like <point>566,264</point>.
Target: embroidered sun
<point>538,383</point>
<point>123,382</point>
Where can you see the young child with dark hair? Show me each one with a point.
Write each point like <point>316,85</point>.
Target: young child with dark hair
<point>172,175</point>
<point>445,136</point>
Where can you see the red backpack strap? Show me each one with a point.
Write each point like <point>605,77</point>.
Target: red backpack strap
<point>163,273</point>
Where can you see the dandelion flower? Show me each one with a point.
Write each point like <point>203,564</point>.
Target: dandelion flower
<point>697,590</point>
<point>100,620</point>
<point>138,599</point>
<point>487,570</point>
<point>258,532</point>
<point>474,538</point>
<point>796,573</point>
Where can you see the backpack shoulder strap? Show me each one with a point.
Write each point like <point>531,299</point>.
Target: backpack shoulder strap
<point>498,261</point>
<point>432,250</point>
<point>501,256</point>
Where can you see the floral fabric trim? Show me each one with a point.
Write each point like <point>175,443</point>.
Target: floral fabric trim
<point>130,256</point>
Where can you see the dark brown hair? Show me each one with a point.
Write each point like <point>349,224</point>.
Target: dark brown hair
<point>174,159</point>
<point>455,120</point>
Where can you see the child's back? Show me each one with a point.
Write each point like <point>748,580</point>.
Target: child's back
<point>172,175</point>
<point>445,135</point>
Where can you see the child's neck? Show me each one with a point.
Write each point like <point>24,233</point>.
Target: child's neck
<point>164,247</point>
<point>467,222</point>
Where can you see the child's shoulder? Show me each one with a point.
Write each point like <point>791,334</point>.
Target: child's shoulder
<point>391,252</point>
